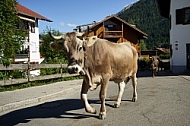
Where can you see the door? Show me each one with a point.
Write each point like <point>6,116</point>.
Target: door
<point>188,56</point>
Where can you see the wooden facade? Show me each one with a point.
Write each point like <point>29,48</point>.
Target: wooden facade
<point>117,30</point>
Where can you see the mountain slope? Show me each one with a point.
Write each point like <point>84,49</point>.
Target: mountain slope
<point>145,15</point>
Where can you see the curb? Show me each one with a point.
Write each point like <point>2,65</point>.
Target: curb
<point>37,100</point>
<point>186,77</point>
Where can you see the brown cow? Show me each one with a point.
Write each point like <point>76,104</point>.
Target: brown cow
<point>100,61</point>
<point>154,65</point>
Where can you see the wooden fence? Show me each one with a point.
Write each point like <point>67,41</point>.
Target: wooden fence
<point>29,78</point>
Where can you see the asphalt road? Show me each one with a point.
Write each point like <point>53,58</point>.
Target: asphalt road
<point>163,101</point>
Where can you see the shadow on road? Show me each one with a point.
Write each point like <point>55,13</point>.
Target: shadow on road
<point>54,109</point>
<point>148,73</point>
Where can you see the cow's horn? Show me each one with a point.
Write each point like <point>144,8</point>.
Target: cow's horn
<point>56,37</point>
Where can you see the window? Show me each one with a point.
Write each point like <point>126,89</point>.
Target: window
<point>23,25</point>
<point>110,27</point>
<point>183,16</point>
<point>187,15</point>
<point>32,27</point>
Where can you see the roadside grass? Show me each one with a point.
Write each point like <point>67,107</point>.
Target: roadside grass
<point>36,83</point>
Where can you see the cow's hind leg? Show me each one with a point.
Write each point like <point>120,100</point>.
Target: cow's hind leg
<point>134,83</point>
<point>121,86</point>
<point>84,98</point>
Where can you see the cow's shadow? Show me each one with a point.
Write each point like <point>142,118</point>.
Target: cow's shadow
<point>53,109</point>
<point>66,108</point>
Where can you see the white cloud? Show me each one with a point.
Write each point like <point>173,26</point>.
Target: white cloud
<point>71,25</point>
<point>68,24</point>
<point>62,23</point>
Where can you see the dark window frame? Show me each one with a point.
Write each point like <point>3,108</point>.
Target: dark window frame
<point>182,15</point>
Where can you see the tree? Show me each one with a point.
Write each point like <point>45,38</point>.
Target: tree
<point>11,35</point>
<point>143,45</point>
<point>51,56</point>
<point>145,15</point>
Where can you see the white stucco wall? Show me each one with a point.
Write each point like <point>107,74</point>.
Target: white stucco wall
<point>34,45</point>
<point>179,37</point>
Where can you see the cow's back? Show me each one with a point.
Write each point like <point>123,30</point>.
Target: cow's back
<point>119,60</point>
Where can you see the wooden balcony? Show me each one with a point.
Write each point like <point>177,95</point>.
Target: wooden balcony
<point>113,34</point>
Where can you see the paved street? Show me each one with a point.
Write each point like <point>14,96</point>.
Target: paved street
<point>163,100</point>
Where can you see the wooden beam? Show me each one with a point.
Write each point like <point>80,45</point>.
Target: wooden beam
<point>122,32</point>
<point>14,67</point>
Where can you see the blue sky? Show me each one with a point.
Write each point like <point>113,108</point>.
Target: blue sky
<point>67,14</point>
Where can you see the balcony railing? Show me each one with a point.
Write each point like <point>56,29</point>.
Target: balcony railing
<point>112,34</point>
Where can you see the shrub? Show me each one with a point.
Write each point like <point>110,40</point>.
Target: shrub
<point>165,56</point>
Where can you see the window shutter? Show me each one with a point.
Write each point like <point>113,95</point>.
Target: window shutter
<point>179,16</point>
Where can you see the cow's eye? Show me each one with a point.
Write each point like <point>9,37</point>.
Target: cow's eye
<point>80,48</point>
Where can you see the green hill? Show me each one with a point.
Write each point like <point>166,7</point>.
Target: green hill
<point>145,15</point>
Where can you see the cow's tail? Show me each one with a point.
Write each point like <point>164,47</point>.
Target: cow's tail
<point>135,57</point>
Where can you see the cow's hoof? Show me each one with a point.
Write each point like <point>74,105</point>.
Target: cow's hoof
<point>94,112</point>
<point>116,105</point>
<point>102,115</point>
<point>134,99</point>
<point>91,110</point>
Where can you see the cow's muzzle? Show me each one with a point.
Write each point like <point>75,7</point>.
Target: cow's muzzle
<point>75,69</point>
<point>72,70</point>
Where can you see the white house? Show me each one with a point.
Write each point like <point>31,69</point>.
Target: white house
<point>178,12</point>
<point>30,49</point>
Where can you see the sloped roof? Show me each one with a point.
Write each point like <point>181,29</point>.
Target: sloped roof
<point>25,11</point>
<point>163,50</point>
<point>114,16</point>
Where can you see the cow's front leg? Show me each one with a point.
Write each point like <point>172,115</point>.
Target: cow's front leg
<point>84,98</point>
<point>134,83</point>
<point>102,95</point>
<point>153,72</point>
<point>121,86</point>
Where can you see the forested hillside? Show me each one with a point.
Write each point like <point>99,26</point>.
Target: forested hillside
<point>145,15</point>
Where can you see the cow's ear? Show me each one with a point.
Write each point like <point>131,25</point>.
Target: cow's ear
<point>56,46</point>
<point>91,40</point>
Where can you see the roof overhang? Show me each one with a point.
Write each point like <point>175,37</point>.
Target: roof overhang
<point>26,12</point>
<point>164,8</point>
<point>27,19</point>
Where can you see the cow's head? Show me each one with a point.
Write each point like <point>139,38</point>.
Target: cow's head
<point>74,45</point>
